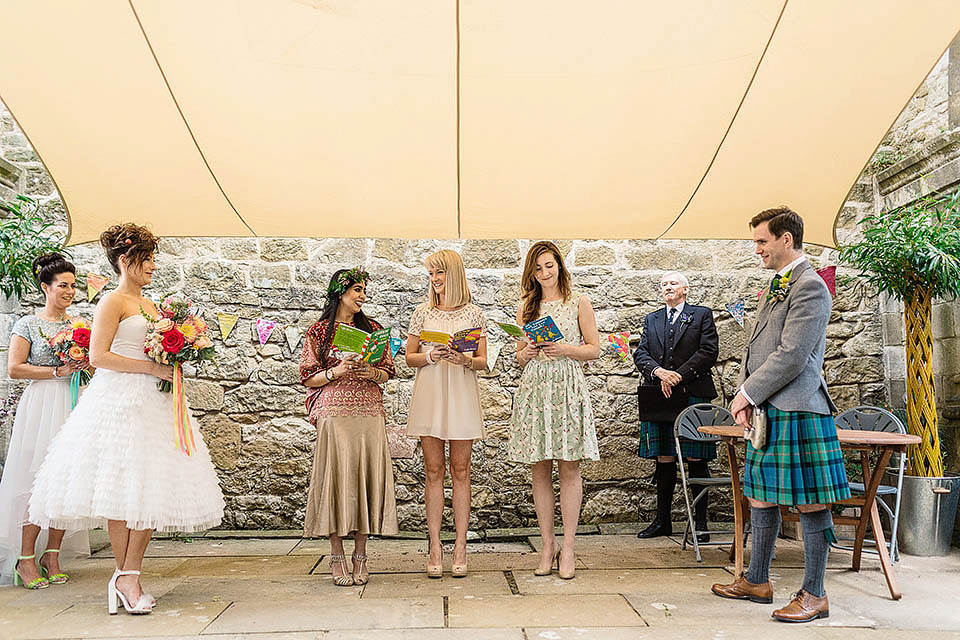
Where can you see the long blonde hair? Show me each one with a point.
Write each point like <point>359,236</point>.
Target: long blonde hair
<point>456,291</point>
<point>532,291</point>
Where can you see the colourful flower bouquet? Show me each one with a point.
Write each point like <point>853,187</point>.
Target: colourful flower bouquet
<point>73,345</point>
<point>176,336</point>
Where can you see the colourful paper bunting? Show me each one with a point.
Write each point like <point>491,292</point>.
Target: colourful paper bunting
<point>395,344</point>
<point>736,310</point>
<point>493,352</point>
<point>227,322</point>
<point>264,329</point>
<point>621,344</point>
<point>829,275</point>
<point>293,335</point>
<point>95,284</point>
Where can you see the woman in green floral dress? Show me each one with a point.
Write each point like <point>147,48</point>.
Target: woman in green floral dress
<point>552,417</point>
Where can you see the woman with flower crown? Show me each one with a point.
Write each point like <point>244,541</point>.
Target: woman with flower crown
<point>43,407</point>
<point>351,487</point>
<point>116,457</point>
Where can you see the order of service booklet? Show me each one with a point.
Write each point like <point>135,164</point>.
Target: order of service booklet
<point>464,341</point>
<point>539,331</point>
<point>369,346</point>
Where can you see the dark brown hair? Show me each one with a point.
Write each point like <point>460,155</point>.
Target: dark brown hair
<point>532,291</point>
<point>128,239</point>
<point>49,266</point>
<point>781,220</point>
<point>329,315</point>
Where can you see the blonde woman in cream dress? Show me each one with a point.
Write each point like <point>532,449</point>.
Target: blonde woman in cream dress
<point>445,406</point>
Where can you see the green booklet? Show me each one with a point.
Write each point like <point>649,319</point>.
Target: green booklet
<point>369,346</point>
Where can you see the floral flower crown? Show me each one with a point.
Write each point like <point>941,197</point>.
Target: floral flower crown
<point>342,282</point>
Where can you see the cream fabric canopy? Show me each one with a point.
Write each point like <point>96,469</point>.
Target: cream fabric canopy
<point>477,118</point>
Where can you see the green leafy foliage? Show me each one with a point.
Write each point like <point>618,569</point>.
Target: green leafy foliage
<point>25,233</point>
<point>916,245</point>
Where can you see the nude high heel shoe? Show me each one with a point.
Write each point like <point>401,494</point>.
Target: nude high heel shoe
<point>554,561</point>
<point>459,570</point>
<point>567,575</point>
<point>141,606</point>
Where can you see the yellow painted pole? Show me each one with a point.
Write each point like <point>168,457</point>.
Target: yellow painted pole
<point>925,458</point>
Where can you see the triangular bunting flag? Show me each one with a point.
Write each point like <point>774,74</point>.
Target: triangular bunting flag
<point>293,335</point>
<point>264,329</point>
<point>95,284</point>
<point>829,275</point>
<point>493,352</point>
<point>621,344</point>
<point>736,310</point>
<point>227,322</point>
<point>395,344</point>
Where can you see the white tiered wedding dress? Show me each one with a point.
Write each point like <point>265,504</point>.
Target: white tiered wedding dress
<point>116,458</point>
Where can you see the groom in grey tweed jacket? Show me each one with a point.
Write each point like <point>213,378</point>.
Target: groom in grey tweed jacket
<point>801,464</point>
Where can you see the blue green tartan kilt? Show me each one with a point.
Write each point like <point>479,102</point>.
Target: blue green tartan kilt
<point>656,439</point>
<point>801,464</point>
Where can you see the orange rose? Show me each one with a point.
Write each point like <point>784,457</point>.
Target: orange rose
<point>76,353</point>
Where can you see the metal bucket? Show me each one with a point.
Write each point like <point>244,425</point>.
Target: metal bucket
<point>928,509</point>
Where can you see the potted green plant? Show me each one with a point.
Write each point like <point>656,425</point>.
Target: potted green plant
<point>912,253</point>
<point>25,233</point>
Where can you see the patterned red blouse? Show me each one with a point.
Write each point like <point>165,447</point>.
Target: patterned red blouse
<point>347,395</point>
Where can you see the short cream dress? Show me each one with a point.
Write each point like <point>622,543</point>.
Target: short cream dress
<point>446,399</point>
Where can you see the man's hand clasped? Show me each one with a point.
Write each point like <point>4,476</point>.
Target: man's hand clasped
<point>742,410</point>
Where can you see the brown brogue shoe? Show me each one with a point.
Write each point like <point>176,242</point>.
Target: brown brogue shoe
<point>804,607</point>
<point>743,590</point>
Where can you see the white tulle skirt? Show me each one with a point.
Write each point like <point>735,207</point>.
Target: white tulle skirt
<point>42,410</point>
<point>116,458</point>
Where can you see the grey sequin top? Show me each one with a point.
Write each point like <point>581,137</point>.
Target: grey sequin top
<point>37,332</point>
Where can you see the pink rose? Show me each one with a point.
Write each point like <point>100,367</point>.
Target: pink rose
<point>163,325</point>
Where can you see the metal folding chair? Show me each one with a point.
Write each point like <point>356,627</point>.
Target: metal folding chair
<point>868,418</point>
<point>685,428</point>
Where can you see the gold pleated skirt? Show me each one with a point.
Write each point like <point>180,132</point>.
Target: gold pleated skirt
<point>351,487</point>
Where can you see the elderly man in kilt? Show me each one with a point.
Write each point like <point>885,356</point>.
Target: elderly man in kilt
<point>677,350</point>
<point>801,464</point>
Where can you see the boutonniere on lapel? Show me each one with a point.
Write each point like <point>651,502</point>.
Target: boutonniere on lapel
<point>780,288</point>
<point>686,318</point>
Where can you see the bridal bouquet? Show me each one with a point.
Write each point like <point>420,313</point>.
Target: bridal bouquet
<point>73,345</point>
<point>176,336</point>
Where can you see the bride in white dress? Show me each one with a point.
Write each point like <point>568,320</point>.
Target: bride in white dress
<point>115,458</point>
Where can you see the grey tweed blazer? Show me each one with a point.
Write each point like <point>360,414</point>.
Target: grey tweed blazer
<point>783,363</point>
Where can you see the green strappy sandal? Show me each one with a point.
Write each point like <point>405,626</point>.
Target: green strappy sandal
<point>57,578</point>
<point>36,583</point>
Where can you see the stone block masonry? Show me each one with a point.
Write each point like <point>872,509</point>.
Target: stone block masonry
<point>250,405</point>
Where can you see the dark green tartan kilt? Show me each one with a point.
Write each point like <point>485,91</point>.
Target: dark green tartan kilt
<point>801,464</point>
<point>656,439</point>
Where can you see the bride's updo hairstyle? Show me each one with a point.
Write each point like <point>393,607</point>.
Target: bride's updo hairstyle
<point>49,266</point>
<point>128,239</point>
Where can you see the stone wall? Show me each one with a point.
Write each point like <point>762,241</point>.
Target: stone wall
<point>250,405</point>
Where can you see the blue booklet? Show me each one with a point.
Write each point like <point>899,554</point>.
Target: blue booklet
<point>543,330</point>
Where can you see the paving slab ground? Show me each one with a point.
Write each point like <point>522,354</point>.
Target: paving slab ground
<point>268,586</point>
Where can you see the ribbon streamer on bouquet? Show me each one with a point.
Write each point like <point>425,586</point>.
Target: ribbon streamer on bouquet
<point>182,428</point>
<point>74,389</point>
